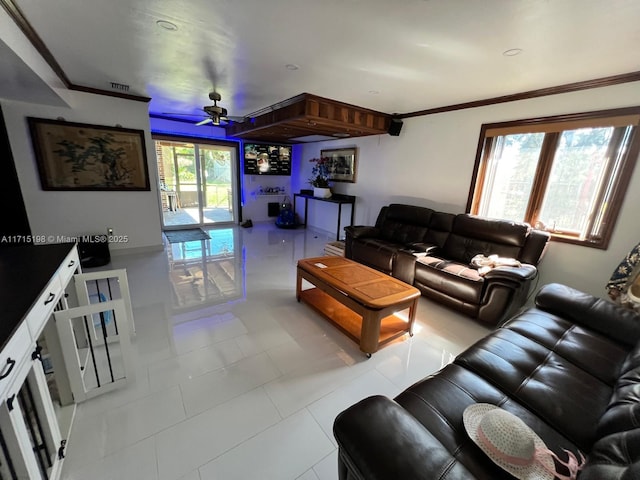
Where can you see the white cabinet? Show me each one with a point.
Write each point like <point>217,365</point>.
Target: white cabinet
<point>43,306</point>
<point>29,426</point>
<point>12,355</point>
<point>72,336</point>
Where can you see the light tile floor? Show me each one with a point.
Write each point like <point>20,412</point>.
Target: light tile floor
<point>241,382</point>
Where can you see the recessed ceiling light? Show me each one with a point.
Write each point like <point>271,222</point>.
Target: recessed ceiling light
<point>512,52</point>
<point>341,135</point>
<point>291,66</point>
<point>167,25</point>
<point>374,92</point>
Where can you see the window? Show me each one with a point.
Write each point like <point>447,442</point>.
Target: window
<point>566,175</point>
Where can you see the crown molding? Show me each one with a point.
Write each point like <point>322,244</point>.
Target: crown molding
<point>541,92</point>
<point>23,24</point>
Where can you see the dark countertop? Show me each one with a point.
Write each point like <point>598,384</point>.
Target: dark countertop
<point>24,273</point>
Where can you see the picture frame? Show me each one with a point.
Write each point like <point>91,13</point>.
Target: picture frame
<point>80,156</point>
<point>343,163</point>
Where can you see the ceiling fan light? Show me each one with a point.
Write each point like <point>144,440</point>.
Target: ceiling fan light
<point>512,52</point>
<point>172,27</point>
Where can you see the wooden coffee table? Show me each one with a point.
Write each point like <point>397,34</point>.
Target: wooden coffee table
<point>359,300</point>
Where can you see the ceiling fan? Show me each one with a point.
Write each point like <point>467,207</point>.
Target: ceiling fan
<point>215,114</point>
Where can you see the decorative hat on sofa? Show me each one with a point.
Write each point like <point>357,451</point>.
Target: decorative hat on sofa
<point>624,285</point>
<point>512,445</point>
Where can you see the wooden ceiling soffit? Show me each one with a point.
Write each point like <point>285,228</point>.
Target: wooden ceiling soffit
<point>308,114</point>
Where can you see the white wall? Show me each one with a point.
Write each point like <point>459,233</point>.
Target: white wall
<point>431,164</point>
<point>71,213</point>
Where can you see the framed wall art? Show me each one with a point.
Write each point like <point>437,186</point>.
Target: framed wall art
<point>78,156</point>
<point>342,167</point>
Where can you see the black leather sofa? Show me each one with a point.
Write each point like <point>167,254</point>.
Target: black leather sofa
<point>433,250</point>
<point>568,367</point>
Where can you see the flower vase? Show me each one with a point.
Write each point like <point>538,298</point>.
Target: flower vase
<point>321,192</point>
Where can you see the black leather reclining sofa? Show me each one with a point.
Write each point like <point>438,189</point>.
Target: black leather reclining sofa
<point>568,367</point>
<point>433,250</point>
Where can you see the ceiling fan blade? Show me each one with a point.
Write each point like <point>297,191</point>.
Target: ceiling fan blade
<point>236,119</point>
<point>205,121</point>
<point>184,114</point>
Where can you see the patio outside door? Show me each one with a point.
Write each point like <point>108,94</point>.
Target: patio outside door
<point>198,183</point>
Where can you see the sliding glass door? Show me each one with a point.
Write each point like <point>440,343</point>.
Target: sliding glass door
<point>198,182</point>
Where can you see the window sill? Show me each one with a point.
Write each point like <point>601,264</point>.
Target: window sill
<point>557,237</point>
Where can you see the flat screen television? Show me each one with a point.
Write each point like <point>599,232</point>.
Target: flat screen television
<point>267,159</point>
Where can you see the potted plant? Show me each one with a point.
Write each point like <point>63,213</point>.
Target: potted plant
<point>320,177</point>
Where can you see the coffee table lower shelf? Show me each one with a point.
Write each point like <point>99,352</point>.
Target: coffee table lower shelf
<point>350,322</point>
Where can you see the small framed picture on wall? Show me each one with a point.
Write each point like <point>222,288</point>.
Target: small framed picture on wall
<point>342,167</point>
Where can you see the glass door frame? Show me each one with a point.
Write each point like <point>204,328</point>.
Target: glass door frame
<point>236,181</point>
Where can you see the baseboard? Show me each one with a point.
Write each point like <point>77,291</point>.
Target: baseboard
<point>331,236</point>
<point>134,250</point>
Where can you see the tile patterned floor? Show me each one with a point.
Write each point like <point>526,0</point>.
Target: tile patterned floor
<point>233,378</point>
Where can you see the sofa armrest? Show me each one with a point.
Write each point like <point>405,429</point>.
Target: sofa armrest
<point>353,232</point>
<point>505,291</point>
<point>379,440</point>
<point>404,265</point>
<point>422,248</point>
<point>616,322</point>
<point>534,247</point>
<point>362,231</point>
<point>517,274</point>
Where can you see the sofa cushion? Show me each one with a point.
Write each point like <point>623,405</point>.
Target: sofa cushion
<point>439,228</point>
<point>533,375</point>
<point>592,312</point>
<point>605,360</point>
<point>410,214</point>
<point>457,279</point>
<point>502,232</point>
<point>402,233</point>
<point>472,235</point>
<point>405,223</point>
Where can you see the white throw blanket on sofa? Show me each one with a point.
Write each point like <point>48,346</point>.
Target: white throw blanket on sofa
<point>484,264</point>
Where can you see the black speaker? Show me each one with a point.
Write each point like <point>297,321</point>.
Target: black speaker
<point>395,127</point>
<point>273,209</point>
<point>94,250</point>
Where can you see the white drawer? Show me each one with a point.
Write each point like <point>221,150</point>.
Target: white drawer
<point>13,355</point>
<point>43,306</point>
<point>69,266</point>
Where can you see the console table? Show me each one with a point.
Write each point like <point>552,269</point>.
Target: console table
<point>335,198</point>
